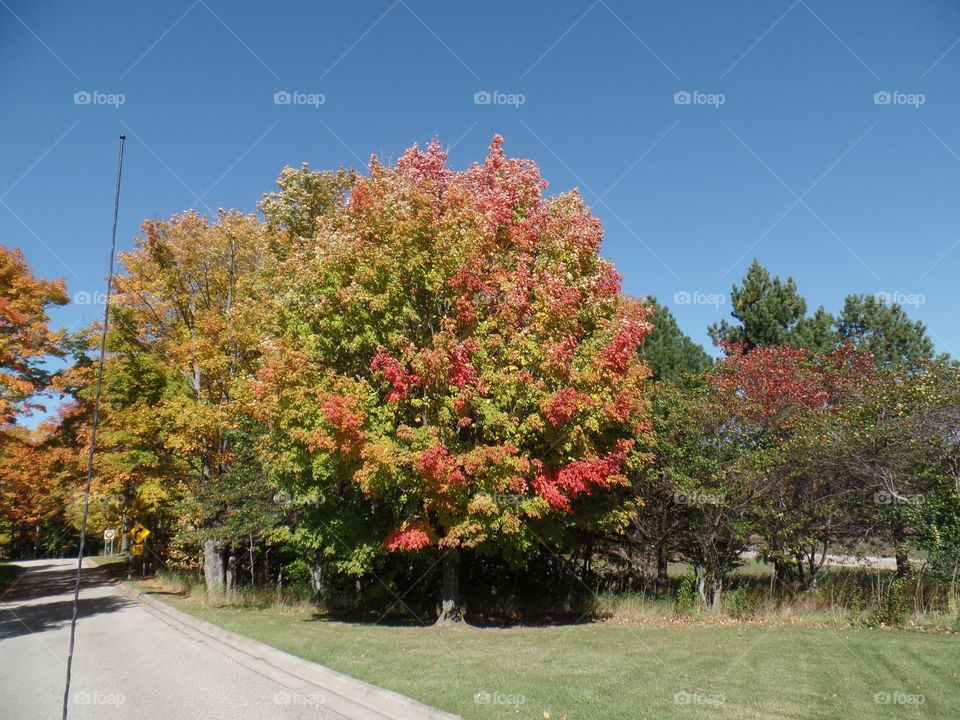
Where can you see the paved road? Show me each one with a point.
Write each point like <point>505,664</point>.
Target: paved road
<point>128,663</point>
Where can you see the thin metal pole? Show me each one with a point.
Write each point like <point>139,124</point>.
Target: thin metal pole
<point>93,433</point>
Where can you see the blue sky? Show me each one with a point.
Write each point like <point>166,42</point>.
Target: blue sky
<point>703,134</point>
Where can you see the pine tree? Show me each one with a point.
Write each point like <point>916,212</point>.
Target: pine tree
<point>667,351</point>
<point>771,313</point>
<point>886,331</point>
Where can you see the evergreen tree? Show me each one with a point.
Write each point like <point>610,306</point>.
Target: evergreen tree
<point>667,351</point>
<point>772,312</point>
<point>886,331</point>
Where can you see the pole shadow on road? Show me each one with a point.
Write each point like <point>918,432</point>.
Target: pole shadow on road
<point>36,615</point>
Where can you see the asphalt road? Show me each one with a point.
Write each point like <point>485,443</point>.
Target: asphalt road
<point>128,664</point>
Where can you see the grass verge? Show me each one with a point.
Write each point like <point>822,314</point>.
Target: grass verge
<point>619,669</point>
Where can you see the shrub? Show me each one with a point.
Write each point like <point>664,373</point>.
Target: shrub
<point>893,605</point>
<point>742,605</point>
<point>686,595</point>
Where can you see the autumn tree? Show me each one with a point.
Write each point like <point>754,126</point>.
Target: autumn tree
<point>26,339</point>
<point>452,343</point>
<point>188,334</point>
<point>897,445</point>
<point>694,504</point>
<point>774,396</point>
<point>302,196</point>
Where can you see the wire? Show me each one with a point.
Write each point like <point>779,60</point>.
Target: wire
<point>93,434</point>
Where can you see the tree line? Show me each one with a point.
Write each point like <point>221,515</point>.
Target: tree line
<point>421,383</point>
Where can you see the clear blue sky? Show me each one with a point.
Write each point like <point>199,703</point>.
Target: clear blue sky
<point>782,153</point>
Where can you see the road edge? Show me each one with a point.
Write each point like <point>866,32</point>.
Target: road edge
<point>341,693</point>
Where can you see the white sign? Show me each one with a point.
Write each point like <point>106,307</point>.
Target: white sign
<point>109,534</point>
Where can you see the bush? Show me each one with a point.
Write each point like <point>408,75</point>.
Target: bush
<point>892,606</point>
<point>857,603</point>
<point>686,595</point>
<point>742,605</point>
<point>296,578</point>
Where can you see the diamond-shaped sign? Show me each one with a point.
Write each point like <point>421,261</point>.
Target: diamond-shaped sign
<point>138,533</point>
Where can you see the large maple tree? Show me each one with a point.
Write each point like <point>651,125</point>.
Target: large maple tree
<point>454,345</point>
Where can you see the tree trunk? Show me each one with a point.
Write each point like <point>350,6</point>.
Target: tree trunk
<point>450,609</point>
<point>231,574</point>
<point>213,570</point>
<point>662,583</point>
<point>317,580</point>
<point>781,574</point>
<point>253,572</point>
<point>717,592</point>
<point>903,561</point>
<point>701,585</point>
<point>124,540</point>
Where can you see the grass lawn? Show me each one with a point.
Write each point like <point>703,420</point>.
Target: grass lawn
<point>620,671</point>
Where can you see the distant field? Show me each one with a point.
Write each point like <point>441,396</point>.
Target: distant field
<point>619,671</point>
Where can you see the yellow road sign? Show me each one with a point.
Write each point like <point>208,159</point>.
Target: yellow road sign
<point>138,533</point>
<point>137,549</point>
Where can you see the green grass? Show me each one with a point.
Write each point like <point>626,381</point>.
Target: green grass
<point>621,671</point>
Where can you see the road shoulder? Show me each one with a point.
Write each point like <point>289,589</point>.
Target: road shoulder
<point>306,681</point>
